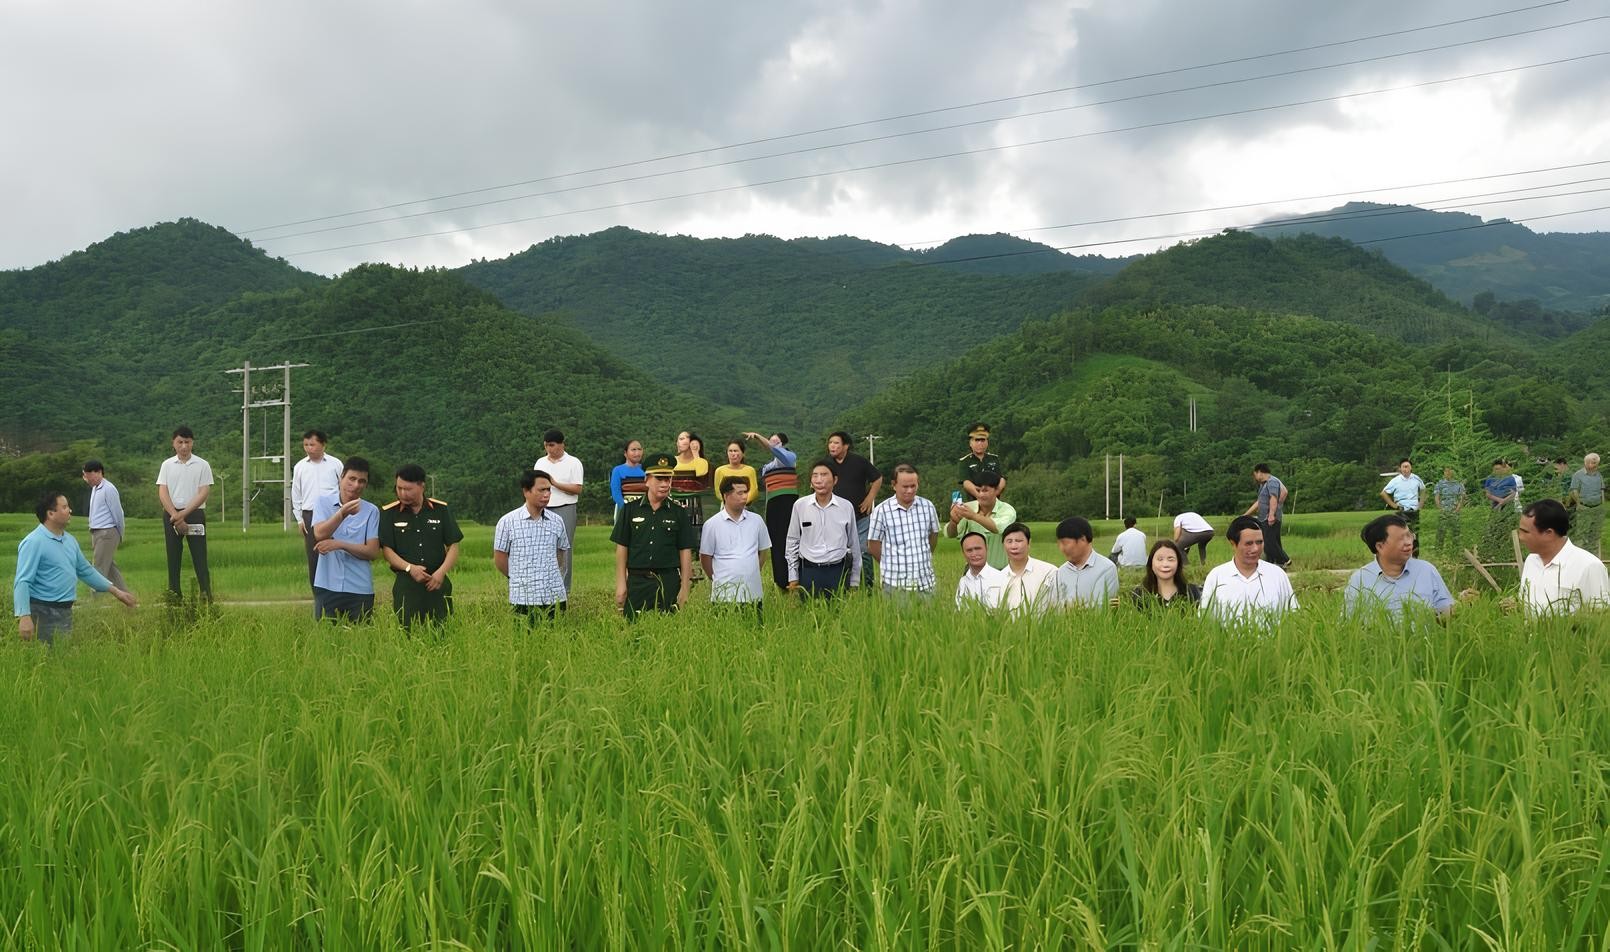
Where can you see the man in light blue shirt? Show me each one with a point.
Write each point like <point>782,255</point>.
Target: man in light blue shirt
<point>1406,492</point>
<point>1087,579</point>
<point>347,529</point>
<point>1396,580</point>
<point>106,521</point>
<point>49,565</point>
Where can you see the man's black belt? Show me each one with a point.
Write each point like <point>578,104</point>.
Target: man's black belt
<point>650,573</point>
<point>824,565</point>
<point>44,604</point>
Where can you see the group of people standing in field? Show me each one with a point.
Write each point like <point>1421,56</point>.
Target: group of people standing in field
<point>673,508</point>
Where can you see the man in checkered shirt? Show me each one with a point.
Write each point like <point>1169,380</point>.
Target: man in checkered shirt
<point>530,546</point>
<point>902,534</point>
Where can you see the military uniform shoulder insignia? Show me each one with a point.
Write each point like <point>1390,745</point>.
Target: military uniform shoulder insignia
<point>391,505</point>
<point>437,502</point>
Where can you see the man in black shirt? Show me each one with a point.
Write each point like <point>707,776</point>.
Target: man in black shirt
<point>858,482</point>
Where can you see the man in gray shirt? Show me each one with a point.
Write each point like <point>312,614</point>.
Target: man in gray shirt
<point>1587,505</point>
<point>1087,579</point>
<point>1270,511</point>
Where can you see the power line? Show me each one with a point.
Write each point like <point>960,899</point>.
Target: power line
<point>1254,110</point>
<point>1286,201</point>
<point>910,115</point>
<point>992,120</point>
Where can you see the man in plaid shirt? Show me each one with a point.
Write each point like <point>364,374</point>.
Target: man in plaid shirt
<point>530,546</point>
<point>901,536</point>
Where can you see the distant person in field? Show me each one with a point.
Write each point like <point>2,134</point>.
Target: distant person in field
<point>1587,503</point>
<point>566,472</point>
<point>1396,580</point>
<point>1165,584</point>
<point>1129,548</point>
<point>979,460</point>
<point>732,547</point>
<point>987,515</point>
<point>981,583</point>
<point>183,483</point>
<point>419,538</point>
<point>654,542</point>
<point>901,536</point>
<point>1191,529</point>
<point>314,475</point>
<point>1501,491</point>
<point>346,530</point>
<point>1450,497</point>
<point>1087,579</point>
<point>1406,493</point>
<point>1029,584</point>
<point>106,521</point>
<point>1248,588</point>
<point>1559,481</point>
<point>782,491</point>
<point>530,549</point>
<point>49,565</point>
<point>823,554</point>
<point>1270,510</point>
<point>693,477</point>
<point>735,466</point>
<point>857,481</point>
<point>626,480</point>
<point>1559,577</point>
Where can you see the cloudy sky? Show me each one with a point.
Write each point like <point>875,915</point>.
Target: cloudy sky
<point>257,117</point>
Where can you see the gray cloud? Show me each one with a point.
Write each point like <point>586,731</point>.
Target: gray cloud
<point>250,116</point>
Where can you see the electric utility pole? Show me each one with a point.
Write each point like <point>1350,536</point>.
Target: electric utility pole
<point>247,405</point>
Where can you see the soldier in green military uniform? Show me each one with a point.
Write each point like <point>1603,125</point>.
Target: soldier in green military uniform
<point>978,460</point>
<point>419,538</point>
<point>654,544</point>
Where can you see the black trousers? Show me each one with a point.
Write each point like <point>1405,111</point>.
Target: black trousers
<point>1198,539</point>
<point>198,554</point>
<point>1273,551</point>
<point>534,613</point>
<point>824,580</point>
<point>651,590</point>
<point>778,510</point>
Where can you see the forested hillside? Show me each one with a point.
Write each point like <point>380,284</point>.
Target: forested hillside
<point>1304,372</point>
<point>790,332</point>
<point>404,366</point>
<point>1463,256</point>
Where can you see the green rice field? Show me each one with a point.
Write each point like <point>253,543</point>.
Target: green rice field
<point>861,775</point>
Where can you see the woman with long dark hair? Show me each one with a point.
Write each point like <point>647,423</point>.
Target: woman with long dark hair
<point>1165,584</point>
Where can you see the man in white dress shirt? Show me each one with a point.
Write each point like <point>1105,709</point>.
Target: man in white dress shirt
<point>981,583</point>
<point>1129,549</point>
<point>823,550</point>
<point>1246,589</point>
<point>183,484</point>
<point>1029,585</point>
<point>565,472</point>
<point>314,475</point>
<point>1559,578</point>
<point>733,547</point>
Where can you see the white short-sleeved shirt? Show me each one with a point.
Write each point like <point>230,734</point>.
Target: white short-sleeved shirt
<point>1191,522</point>
<point>734,547</point>
<point>1260,597</point>
<point>983,588</point>
<point>1573,580</point>
<point>1406,491</point>
<point>1129,549</point>
<point>567,470</point>
<point>184,479</point>
<point>1031,591</point>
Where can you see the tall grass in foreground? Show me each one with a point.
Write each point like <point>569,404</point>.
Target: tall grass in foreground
<point>848,778</point>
